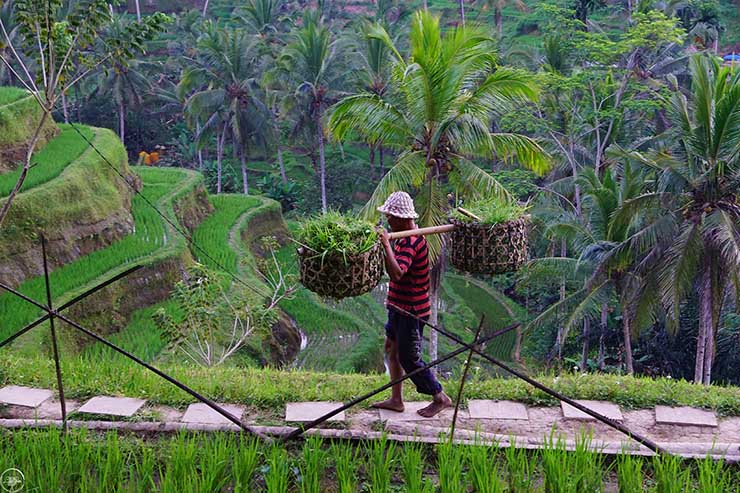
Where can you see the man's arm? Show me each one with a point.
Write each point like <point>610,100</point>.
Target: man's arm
<point>393,267</point>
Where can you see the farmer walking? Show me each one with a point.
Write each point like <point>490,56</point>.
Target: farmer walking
<point>407,264</point>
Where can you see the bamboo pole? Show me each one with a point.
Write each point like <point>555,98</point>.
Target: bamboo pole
<point>432,230</point>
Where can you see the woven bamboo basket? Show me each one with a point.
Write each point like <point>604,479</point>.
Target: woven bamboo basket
<point>484,249</point>
<point>333,277</point>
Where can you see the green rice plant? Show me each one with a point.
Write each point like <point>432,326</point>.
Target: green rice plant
<point>178,472</point>
<point>246,460</point>
<point>313,463</point>
<point>714,477</point>
<point>111,463</point>
<point>277,477</point>
<point>150,240</point>
<point>491,211</point>
<point>51,161</point>
<point>214,458</point>
<point>450,468</point>
<point>484,471</point>
<point>381,462</point>
<point>412,467</point>
<point>520,469</point>
<point>144,467</point>
<point>346,459</point>
<point>670,475</point>
<point>557,467</point>
<point>629,473</point>
<point>334,234</point>
<point>588,466</point>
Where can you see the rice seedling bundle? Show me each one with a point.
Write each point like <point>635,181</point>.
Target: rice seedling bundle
<point>340,256</point>
<point>495,244</point>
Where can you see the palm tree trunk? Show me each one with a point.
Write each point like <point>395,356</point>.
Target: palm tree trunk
<point>426,7</point>
<point>205,8</point>
<point>245,181</point>
<point>281,164</point>
<point>627,334</point>
<point>559,342</point>
<point>586,336</point>
<point>122,122</point>
<point>602,335</point>
<point>219,158</point>
<point>498,19</point>
<point>436,281</point>
<point>322,163</point>
<point>705,339</point>
<point>462,12</point>
<point>65,108</point>
<point>382,163</point>
<point>138,11</point>
<point>200,151</point>
<point>371,147</point>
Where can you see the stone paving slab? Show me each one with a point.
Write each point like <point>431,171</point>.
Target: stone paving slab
<point>302,412</point>
<point>684,416</point>
<point>202,413</point>
<point>608,409</point>
<point>24,396</point>
<point>113,406</point>
<point>488,409</point>
<point>410,414</point>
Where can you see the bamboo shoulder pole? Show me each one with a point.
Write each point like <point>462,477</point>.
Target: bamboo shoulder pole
<point>432,230</point>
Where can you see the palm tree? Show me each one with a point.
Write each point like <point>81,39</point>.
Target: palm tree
<point>263,16</point>
<point>697,189</point>
<point>310,66</point>
<point>227,96</point>
<point>437,115</point>
<point>497,6</point>
<point>609,241</point>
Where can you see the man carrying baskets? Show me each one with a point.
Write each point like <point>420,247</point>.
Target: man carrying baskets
<point>407,264</point>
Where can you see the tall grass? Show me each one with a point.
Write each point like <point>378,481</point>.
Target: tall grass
<point>520,469</point>
<point>9,94</point>
<point>50,161</point>
<point>572,472</point>
<point>246,461</point>
<point>715,478</point>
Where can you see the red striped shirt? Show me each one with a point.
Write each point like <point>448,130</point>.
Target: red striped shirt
<point>411,293</point>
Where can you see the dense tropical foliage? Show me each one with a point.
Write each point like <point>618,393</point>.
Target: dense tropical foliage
<point>618,125</point>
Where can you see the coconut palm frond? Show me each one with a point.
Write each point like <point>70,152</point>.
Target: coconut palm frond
<point>527,151</point>
<point>374,119</point>
<point>561,267</point>
<point>678,271</point>
<point>722,229</point>
<point>432,207</point>
<point>408,173</point>
<point>473,182</point>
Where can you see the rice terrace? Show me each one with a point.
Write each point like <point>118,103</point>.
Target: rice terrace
<point>370,246</point>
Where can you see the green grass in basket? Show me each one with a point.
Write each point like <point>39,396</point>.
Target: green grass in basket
<point>336,233</point>
<point>491,211</point>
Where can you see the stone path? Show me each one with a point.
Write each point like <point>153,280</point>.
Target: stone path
<point>685,430</point>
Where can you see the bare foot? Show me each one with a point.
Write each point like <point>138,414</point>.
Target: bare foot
<point>390,404</point>
<point>439,403</point>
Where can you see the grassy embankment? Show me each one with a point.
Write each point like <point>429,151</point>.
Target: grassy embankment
<point>152,241</point>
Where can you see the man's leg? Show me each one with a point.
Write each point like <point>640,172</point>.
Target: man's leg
<point>409,337</point>
<point>395,403</point>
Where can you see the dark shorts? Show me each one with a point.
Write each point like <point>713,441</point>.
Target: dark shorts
<point>407,332</point>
